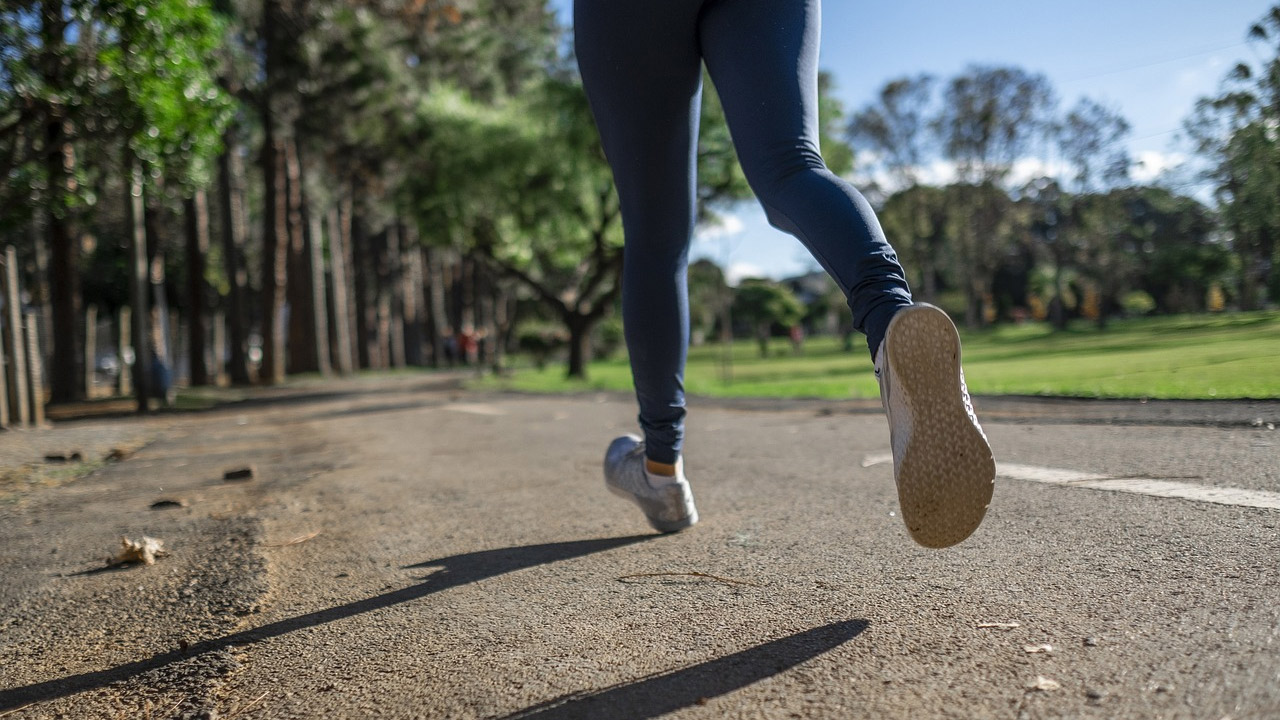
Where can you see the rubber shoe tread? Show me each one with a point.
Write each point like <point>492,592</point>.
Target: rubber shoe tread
<point>943,465</point>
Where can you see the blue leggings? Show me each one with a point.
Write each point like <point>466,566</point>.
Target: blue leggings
<point>641,64</point>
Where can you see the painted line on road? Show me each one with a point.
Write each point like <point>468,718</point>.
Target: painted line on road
<point>475,409</point>
<point>1152,487</point>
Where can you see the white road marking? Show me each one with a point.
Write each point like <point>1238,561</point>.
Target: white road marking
<point>475,409</point>
<point>877,459</point>
<point>1154,487</point>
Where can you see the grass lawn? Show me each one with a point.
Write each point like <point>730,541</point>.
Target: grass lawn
<point>1204,356</point>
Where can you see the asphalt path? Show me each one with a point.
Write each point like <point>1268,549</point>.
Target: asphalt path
<point>407,549</point>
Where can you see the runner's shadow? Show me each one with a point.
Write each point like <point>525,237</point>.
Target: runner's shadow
<point>454,571</point>
<point>662,693</point>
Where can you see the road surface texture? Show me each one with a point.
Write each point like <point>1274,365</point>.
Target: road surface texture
<point>407,549</point>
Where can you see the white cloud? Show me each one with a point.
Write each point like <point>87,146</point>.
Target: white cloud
<point>1028,169</point>
<point>725,226</point>
<point>739,271</point>
<point>1152,163</point>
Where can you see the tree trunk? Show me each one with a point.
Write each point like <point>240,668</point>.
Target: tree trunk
<point>59,168</point>
<point>233,232</point>
<point>579,327</point>
<point>463,315</point>
<point>488,331</point>
<point>40,291</point>
<point>275,38</point>
<point>394,296</point>
<point>275,255</point>
<point>196,211</point>
<point>63,274</point>
<point>973,304</point>
<point>929,280</point>
<point>503,312</point>
<point>219,370</point>
<point>338,237</point>
<point>436,308</point>
<point>162,348</point>
<point>138,285</point>
<point>413,296</point>
<point>354,308</point>
<point>319,303</point>
<point>13,373</point>
<point>301,332</point>
<point>365,311</point>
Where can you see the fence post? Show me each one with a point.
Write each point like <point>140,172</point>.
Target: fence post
<point>35,371</point>
<point>16,369</point>
<point>90,349</point>
<point>4,388</point>
<point>124,349</point>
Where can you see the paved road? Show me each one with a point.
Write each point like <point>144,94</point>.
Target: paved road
<point>410,550</point>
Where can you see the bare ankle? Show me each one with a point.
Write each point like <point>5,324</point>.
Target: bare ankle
<point>657,468</point>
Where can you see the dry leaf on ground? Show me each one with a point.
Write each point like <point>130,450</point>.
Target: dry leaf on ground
<point>143,551</point>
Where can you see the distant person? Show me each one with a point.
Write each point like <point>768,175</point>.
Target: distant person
<point>641,63</point>
<point>796,335</point>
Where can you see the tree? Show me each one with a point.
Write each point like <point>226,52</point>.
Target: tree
<point>894,130</point>
<point>1179,253</point>
<point>762,304</point>
<point>524,183</point>
<point>81,79</point>
<point>918,220</point>
<point>990,118</point>
<point>709,298</point>
<point>527,187</point>
<point>1238,132</point>
<point>1089,140</point>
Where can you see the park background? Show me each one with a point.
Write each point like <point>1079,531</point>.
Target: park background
<point>235,193</point>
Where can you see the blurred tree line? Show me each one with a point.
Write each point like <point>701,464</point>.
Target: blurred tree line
<point>1073,235</point>
<point>256,188</point>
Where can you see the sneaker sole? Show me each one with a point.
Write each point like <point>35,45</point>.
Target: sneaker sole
<point>659,525</point>
<point>947,475</point>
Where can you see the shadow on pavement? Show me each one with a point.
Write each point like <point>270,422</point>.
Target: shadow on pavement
<point>656,695</point>
<point>456,570</point>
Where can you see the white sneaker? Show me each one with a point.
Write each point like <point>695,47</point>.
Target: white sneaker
<point>669,507</point>
<point>942,462</point>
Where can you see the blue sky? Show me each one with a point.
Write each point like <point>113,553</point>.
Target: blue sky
<point>1149,59</point>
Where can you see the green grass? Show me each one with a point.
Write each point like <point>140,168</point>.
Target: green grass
<point>1203,356</point>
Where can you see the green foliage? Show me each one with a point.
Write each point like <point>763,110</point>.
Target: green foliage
<point>990,117</point>
<point>894,129</point>
<point>1137,302</point>
<point>764,304</point>
<point>608,338</point>
<point>111,73</point>
<point>540,340</point>
<point>1089,140</point>
<point>170,106</point>
<point>836,153</point>
<point>708,296</point>
<point>1238,132</point>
